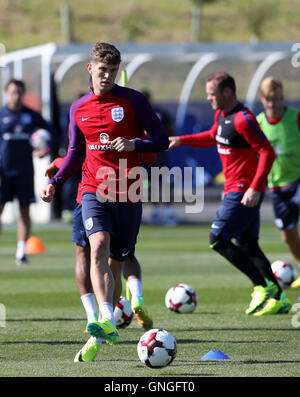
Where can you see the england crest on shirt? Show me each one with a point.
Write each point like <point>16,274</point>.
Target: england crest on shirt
<point>117,114</point>
<point>88,224</point>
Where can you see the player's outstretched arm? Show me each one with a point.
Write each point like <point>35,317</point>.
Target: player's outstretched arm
<point>47,193</point>
<point>174,141</point>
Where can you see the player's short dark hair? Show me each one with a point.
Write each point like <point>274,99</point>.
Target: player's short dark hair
<point>18,83</point>
<point>224,80</point>
<point>105,52</point>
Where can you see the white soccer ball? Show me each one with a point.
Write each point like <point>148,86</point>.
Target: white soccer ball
<point>157,348</point>
<point>40,139</point>
<point>284,272</point>
<point>123,313</point>
<point>181,298</point>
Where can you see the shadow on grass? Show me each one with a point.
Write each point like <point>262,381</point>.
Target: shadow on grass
<point>134,342</point>
<point>270,329</point>
<point>182,341</point>
<point>255,362</point>
<point>193,375</point>
<point>233,362</point>
<point>43,319</point>
<point>40,342</point>
<point>201,364</point>
<point>204,313</point>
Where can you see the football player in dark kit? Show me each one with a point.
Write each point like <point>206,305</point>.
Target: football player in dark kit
<point>17,124</point>
<point>246,157</point>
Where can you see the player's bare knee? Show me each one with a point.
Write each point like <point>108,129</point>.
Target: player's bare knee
<point>99,245</point>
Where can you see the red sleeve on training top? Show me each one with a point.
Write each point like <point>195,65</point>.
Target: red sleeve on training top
<point>246,124</point>
<point>202,139</point>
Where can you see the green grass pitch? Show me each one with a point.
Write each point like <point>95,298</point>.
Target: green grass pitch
<point>45,319</point>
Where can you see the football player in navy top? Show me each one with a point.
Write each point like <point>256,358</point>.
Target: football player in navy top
<point>17,124</point>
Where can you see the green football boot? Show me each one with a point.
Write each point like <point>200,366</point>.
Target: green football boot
<point>141,313</point>
<point>103,329</point>
<point>275,306</point>
<point>88,352</point>
<point>260,295</point>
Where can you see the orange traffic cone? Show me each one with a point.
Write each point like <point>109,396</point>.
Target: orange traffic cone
<point>34,245</point>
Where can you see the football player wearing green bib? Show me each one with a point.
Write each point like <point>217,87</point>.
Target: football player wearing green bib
<point>281,125</point>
